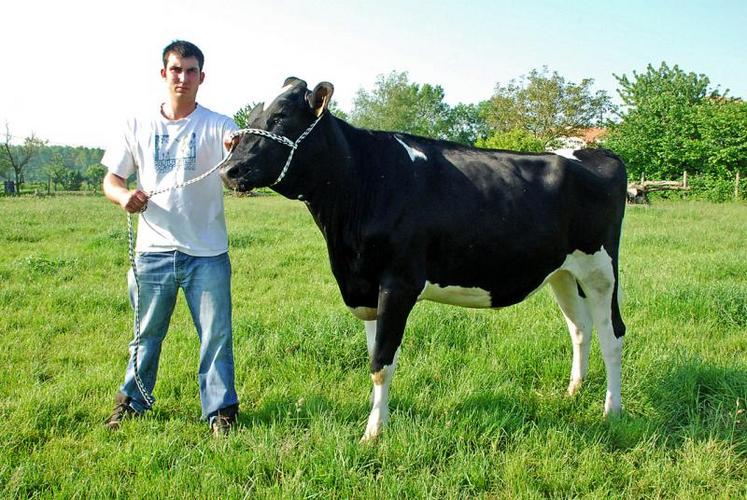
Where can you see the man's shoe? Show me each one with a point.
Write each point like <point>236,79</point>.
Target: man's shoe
<point>122,410</point>
<point>222,423</point>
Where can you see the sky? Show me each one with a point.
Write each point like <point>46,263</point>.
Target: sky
<point>73,71</point>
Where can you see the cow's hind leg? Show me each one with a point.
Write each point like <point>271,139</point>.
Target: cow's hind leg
<point>598,279</point>
<point>575,308</point>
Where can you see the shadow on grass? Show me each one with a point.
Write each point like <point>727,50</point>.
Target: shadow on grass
<point>685,400</point>
<point>297,411</point>
<point>696,399</point>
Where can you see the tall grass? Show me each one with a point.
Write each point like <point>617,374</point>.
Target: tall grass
<point>478,401</point>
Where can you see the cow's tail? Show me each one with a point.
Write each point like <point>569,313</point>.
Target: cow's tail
<point>613,182</point>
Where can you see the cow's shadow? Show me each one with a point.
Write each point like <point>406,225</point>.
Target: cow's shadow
<point>684,400</point>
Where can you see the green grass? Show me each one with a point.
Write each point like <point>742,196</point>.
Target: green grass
<point>478,402</point>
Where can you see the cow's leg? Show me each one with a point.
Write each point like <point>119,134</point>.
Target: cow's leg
<point>395,304</point>
<point>370,342</point>
<point>578,317</point>
<point>599,283</point>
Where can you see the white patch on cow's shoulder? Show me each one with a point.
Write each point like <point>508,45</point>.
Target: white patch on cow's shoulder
<point>456,295</point>
<point>566,153</point>
<point>414,153</point>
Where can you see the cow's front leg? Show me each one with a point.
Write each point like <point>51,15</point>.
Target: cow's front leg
<point>395,304</point>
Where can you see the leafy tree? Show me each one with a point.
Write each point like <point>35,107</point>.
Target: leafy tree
<point>72,180</point>
<point>722,131</point>
<point>515,140</point>
<point>17,158</point>
<point>675,121</point>
<point>466,124</point>
<point>396,104</point>
<point>95,175</point>
<point>55,171</point>
<point>335,109</point>
<point>241,117</point>
<point>546,106</point>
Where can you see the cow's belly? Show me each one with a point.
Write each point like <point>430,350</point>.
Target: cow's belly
<point>456,295</point>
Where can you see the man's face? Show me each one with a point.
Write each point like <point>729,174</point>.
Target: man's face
<point>182,76</point>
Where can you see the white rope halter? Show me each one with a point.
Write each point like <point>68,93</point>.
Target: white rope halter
<point>278,138</point>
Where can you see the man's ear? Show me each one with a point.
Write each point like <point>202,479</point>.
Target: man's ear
<point>320,97</point>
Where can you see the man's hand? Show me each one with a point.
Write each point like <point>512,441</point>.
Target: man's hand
<point>230,141</point>
<point>116,190</point>
<point>134,201</point>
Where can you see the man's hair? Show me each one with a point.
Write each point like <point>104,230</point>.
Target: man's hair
<point>183,48</point>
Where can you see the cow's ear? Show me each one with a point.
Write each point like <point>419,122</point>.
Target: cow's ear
<point>292,80</point>
<point>320,98</point>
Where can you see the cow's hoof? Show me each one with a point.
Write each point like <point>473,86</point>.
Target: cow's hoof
<point>574,386</point>
<point>372,433</point>
<point>376,422</point>
<point>612,408</point>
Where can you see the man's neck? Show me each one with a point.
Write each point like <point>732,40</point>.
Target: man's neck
<point>178,109</point>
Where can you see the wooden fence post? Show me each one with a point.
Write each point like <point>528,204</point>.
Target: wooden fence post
<point>684,179</point>
<point>736,187</point>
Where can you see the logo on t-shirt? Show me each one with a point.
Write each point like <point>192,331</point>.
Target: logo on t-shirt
<point>180,153</point>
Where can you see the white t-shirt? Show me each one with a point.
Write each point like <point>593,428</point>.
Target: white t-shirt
<point>166,152</point>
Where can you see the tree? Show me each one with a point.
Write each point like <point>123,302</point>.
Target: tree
<point>546,106</point>
<point>72,180</point>
<point>671,123</point>
<point>722,128</point>
<point>241,117</point>
<point>396,104</point>
<point>95,175</point>
<point>515,140</point>
<point>466,124</point>
<point>55,171</point>
<point>17,158</point>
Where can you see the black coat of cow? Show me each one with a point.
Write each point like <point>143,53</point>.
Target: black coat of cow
<point>403,215</point>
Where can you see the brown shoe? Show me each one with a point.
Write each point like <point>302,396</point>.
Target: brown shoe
<point>122,410</point>
<point>224,421</point>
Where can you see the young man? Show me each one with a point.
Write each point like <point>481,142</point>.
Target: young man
<point>182,240</point>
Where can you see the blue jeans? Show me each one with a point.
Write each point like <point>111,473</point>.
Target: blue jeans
<point>206,282</point>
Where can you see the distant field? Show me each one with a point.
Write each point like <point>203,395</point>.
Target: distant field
<point>478,401</point>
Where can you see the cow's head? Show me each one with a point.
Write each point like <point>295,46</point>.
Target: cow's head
<point>257,159</point>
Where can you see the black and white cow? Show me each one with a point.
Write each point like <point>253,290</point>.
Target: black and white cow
<point>407,218</point>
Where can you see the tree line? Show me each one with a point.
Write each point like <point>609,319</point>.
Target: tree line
<point>669,121</point>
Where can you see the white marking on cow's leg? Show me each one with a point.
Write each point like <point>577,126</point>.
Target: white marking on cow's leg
<point>380,401</point>
<point>380,394</point>
<point>597,279</point>
<point>579,321</point>
<point>370,342</point>
<point>370,336</point>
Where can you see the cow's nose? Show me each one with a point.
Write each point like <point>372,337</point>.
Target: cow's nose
<point>231,172</point>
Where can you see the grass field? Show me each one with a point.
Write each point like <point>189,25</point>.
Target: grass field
<point>478,401</point>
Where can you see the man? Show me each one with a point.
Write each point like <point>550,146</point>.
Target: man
<point>182,240</point>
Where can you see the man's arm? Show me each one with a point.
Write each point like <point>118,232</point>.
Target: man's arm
<point>115,188</point>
